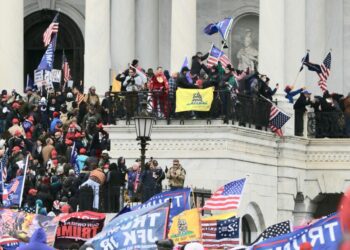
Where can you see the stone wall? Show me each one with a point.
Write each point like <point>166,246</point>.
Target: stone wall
<point>277,168</point>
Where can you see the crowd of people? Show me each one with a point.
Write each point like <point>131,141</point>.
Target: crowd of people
<point>62,131</point>
<point>160,86</point>
<point>69,167</point>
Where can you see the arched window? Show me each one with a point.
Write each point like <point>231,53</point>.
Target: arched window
<point>247,233</point>
<point>69,38</point>
<point>245,41</point>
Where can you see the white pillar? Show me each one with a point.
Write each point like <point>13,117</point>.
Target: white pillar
<point>11,45</point>
<point>346,41</point>
<point>183,32</point>
<point>315,39</point>
<point>147,33</point>
<point>97,45</point>
<point>271,40</point>
<point>335,40</point>
<point>295,41</point>
<point>122,33</point>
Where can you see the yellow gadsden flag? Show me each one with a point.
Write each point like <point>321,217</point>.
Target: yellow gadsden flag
<point>116,85</point>
<point>186,227</point>
<point>194,99</point>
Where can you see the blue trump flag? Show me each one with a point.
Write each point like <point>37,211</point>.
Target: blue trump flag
<point>223,27</point>
<point>12,192</point>
<point>180,201</point>
<point>324,234</point>
<point>46,62</point>
<point>138,229</point>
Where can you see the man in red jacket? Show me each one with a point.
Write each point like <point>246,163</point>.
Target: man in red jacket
<point>159,87</point>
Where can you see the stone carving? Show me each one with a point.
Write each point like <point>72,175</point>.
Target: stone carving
<point>248,55</point>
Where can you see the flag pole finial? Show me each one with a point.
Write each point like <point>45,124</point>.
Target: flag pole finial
<point>307,50</point>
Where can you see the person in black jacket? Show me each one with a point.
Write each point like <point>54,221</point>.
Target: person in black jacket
<point>198,64</point>
<point>113,188</point>
<point>300,109</point>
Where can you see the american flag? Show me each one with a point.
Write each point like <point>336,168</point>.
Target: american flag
<point>216,55</point>
<point>220,233</point>
<point>52,29</point>
<point>276,230</point>
<point>4,167</point>
<point>47,60</point>
<point>73,159</point>
<point>325,71</point>
<point>14,186</point>
<point>226,197</point>
<point>65,69</point>
<point>277,120</point>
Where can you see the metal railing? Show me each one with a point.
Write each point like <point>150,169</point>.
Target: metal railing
<point>326,124</point>
<point>226,106</point>
<point>200,195</point>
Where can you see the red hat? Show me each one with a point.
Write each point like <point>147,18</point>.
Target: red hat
<point>18,133</point>
<point>16,105</point>
<point>69,142</point>
<point>54,153</point>
<point>32,191</point>
<point>16,149</point>
<point>77,135</point>
<point>55,114</point>
<point>15,121</point>
<point>100,125</point>
<point>66,209</point>
<point>82,151</point>
<point>31,118</point>
<point>305,246</point>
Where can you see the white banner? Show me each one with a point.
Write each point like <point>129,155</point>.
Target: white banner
<point>56,75</point>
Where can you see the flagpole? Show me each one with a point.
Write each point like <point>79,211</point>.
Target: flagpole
<point>302,63</point>
<point>2,171</point>
<point>24,181</point>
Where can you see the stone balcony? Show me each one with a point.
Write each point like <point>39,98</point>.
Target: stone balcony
<point>277,168</point>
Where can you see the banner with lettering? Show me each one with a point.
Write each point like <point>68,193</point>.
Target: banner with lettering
<point>180,201</point>
<point>21,225</point>
<point>138,229</point>
<point>12,193</point>
<point>194,99</point>
<point>324,234</point>
<point>76,228</point>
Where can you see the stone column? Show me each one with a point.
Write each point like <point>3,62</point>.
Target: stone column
<point>122,33</point>
<point>271,40</point>
<point>315,39</point>
<point>295,41</point>
<point>97,45</point>
<point>335,32</point>
<point>346,41</point>
<point>147,33</point>
<point>183,32</point>
<point>11,45</point>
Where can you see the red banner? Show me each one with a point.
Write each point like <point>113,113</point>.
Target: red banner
<point>75,228</point>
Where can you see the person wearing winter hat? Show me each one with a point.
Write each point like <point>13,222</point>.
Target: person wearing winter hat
<point>55,121</point>
<point>92,98</point>
<point>300,109</point>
